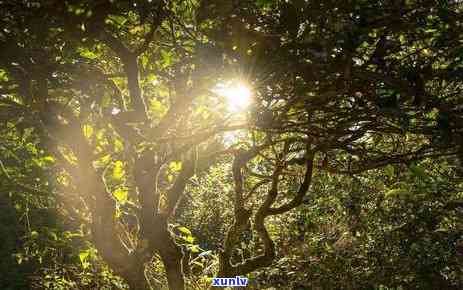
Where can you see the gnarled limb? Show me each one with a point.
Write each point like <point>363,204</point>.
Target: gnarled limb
<point>226,269</point>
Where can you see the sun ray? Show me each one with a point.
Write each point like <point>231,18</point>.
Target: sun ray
<point>237,95</point>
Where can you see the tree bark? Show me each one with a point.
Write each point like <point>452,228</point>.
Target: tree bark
<point>136,278</point>
<point>171,256</point>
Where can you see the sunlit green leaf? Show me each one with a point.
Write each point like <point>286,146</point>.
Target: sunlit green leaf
<point>184,230</point>
<point>87,53</point>
<point>83,256</point>
<point>175,166</point>
<point>87,130</point>
<point>121,195</point>
<point>118,170</point>
<point>189,239</point>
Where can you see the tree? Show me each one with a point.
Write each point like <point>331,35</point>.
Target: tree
<point>119,95</point>
<point>355,87</point>
<point>79,75</point>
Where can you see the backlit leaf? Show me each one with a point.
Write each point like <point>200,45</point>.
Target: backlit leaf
<point>121,195</point>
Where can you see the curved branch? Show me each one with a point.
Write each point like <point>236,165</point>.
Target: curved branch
<point>130,62</point>
<point>304,187</point>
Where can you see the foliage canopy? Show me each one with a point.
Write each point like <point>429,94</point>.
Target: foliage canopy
<point>116,142</point>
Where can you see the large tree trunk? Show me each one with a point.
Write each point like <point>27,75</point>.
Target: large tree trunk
<point>172,259</point>
<point>171,256</point>
<point>136,278</point>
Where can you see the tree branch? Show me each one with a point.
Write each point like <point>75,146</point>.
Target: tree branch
<point>303,188</point>
<point>129,60</point>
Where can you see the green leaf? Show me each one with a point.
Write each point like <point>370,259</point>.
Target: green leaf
<point>118,170</point>
<point>194,249</point>
<point>121,195</point>
<point>397,192</point>
<point>19,258</point>
<point>418,171</point>
<point>156,106</point>
<point>83,256</point>
<point>167,58</point>
<point>48,159</point>
<point>105,159</point>
<point>118,145</point>
<point>185,231</point>
<point>118,20</point>
<point>175,166</point>
<point>389,170</point>
<point>189,239</point>
<point>264,3</point>
<point>54,236</point>
<point>88,131</point>
<point>328,247</point>
<point>3,75</point>
<point>85,52</point>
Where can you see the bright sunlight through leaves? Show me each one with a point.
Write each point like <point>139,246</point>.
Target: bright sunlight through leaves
<point>238,95</point>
